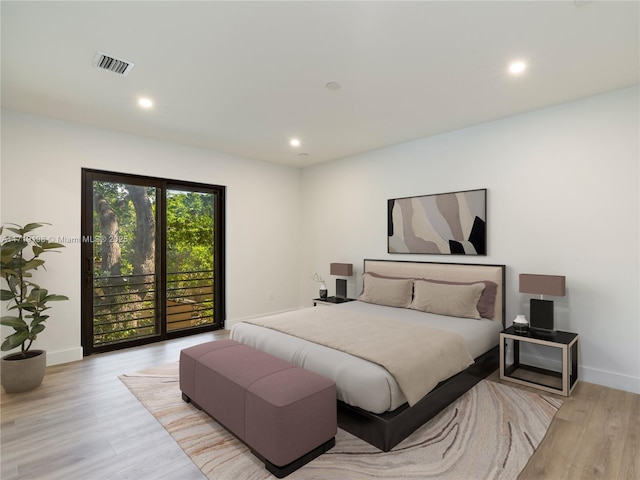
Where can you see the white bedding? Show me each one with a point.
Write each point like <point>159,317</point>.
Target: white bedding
<point>359,382</point>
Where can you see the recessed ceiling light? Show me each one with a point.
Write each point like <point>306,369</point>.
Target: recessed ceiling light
<point>303,155</point>
<point>145,102</point>
<point>333,86</point>
<point>294,142</point>
<point>517,67</point>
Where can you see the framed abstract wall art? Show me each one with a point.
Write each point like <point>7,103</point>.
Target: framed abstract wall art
<point>445,223</point>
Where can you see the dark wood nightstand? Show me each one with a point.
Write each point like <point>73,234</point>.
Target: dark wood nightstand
<point>562,382</point>
<point>330,301</point>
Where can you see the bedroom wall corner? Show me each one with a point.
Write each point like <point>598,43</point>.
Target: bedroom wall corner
<point>563,198</point>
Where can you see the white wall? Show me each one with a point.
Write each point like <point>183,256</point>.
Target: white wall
<point>41,181</point>
<point>563,198</point>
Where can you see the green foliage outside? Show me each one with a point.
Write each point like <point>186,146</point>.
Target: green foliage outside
<point>189,231</point>
<point>124,305</point>
<point>116,196</point>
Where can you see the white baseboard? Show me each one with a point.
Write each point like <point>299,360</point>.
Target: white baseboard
<point>610,379</point>
<point>228,324</point>
<point>64,356</point>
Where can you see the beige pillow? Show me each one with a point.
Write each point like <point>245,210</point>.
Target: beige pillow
<point>386,291</point>
<point>486,304</point>
<point>444,299</point>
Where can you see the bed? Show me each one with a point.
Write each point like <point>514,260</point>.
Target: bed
<point>375,401</point>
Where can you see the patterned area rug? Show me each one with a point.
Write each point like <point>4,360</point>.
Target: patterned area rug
<point>488,433</point>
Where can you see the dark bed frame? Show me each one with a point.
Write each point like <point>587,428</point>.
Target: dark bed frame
<point>388,429</point>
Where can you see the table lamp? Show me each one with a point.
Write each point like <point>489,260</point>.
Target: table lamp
<point>342,270</point>
<point>541,311</point>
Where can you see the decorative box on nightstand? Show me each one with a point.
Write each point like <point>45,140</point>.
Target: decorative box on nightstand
<point>330,301</point>
<point>562,382</point>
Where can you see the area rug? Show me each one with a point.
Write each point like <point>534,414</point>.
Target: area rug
<point>488,433</point>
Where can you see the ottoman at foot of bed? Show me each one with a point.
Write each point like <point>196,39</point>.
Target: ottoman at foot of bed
<point>285,414</point>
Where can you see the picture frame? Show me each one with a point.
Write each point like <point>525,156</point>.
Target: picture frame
<point>453,223</point>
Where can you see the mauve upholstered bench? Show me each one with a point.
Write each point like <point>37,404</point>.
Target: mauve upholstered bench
<point>285,414</point>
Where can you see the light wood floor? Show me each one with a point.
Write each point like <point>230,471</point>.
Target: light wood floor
<point>594,435</point>
<point>84,424</point>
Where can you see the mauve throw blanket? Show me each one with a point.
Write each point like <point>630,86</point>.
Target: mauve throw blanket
<point>417,357</point>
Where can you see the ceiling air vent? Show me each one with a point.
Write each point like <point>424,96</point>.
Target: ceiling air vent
<point>112,64</point>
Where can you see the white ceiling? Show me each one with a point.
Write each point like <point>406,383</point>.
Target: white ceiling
<point>244,77</point>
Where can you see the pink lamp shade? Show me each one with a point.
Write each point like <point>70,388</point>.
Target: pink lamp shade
<point>342,269</point>
<point>553,285</point>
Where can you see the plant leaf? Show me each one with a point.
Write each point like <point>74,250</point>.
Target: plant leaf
<point>32,226</point>
<point>6,345</point>
<point>33,264</point>
<point>39,320</point>
<point>6,295</point>
<point>29,307</point>
<point>49,245</point>
<point>10,248</point>
<point>37,329</point>
<point>55,298</point>
<point>15,340</point>
<point>13,282</point>
<point>37,295</point>
<point>14,322</point>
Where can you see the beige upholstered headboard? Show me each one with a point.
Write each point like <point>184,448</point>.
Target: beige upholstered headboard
<point>452,272</point>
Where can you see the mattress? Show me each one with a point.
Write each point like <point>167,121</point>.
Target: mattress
<point>361,383</point>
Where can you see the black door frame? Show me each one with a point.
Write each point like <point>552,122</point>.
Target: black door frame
<point>219,298</point>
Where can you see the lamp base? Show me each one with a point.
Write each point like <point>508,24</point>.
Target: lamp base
<point>542,334</point>
<point>341,288</point>
<point>541,315</point>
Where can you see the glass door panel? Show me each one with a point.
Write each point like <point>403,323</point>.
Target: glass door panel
<point>124,262</point>
<point>190,217</point>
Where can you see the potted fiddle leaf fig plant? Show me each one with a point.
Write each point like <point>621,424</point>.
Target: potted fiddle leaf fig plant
<point>26,304</point>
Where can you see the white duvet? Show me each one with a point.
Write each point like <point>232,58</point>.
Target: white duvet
<point>360,382</point>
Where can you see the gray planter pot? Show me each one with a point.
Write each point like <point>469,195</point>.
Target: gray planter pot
<point>23,374</point>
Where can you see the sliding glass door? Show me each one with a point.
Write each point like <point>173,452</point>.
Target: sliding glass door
<point>190,258</point>
<point>153,259</point>
<point>123,262</point>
